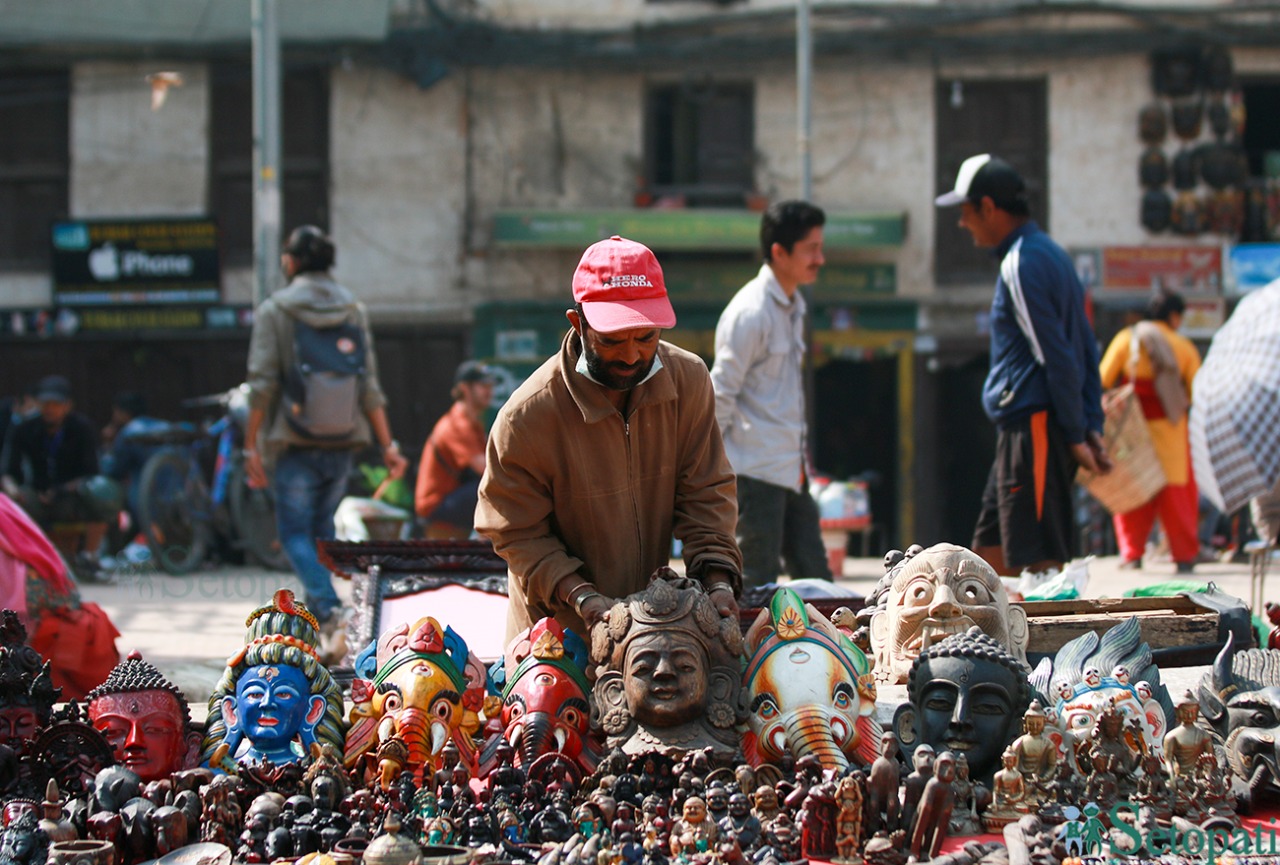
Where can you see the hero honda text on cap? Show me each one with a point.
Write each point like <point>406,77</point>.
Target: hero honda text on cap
<point>985,176</point>
<point>620,286</point>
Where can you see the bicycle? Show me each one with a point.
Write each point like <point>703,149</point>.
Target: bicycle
<point>193,493</point>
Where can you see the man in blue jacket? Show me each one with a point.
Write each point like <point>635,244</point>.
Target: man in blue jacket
<point>1042,391</point>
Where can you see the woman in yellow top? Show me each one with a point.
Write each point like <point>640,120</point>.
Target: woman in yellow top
<point>1165,366</point>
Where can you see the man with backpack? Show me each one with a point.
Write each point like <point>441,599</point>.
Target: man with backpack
<point>314,400</point>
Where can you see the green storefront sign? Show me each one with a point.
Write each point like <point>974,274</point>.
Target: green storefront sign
<point>703,230</point>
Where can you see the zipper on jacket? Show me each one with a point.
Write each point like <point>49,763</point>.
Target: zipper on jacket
<point>631,483</point>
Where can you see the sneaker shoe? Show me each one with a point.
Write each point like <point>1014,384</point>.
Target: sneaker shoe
<point>1185,568</point>
<point>89,570</point>
<point>1131,565</point>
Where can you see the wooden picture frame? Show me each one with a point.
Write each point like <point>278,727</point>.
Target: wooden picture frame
<point>463,584</point>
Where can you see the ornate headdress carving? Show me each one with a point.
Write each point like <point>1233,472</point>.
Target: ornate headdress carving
<point>25,678</point>
<point>134,675</point>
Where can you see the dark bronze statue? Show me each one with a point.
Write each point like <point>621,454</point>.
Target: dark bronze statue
<point>966,694</point>
<point>668,671</point>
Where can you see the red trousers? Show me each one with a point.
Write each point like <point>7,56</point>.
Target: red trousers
<point>1178,508</point>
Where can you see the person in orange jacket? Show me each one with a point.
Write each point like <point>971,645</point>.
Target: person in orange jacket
<point>453,457</point>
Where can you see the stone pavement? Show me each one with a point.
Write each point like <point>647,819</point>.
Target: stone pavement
<point>188,626</point>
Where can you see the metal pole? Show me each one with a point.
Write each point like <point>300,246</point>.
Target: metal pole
<point>266,149</point>
<point>804,100</point>
<point>804,84</point>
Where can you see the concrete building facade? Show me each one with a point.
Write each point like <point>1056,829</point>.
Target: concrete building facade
<point>472,149</point>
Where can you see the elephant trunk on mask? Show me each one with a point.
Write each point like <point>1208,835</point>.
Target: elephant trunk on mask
<point>424,736</point>
<point>533,737</point>
<point>808,731</point>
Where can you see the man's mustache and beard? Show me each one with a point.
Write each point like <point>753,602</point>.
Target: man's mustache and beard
<point>615,376</point>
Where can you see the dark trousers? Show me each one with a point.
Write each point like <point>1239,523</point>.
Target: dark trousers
<point>777,525</point>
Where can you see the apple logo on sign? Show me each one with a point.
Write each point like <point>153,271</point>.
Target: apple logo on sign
<point>104,263</point>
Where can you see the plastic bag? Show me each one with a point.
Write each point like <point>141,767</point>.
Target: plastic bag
<point>354,515</point>
<point>1054,585</point>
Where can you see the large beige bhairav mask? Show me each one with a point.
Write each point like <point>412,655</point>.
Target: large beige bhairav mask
<point>937,593</point>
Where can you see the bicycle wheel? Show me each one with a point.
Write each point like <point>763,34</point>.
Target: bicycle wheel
<point>174,506</point>
<point>253,516</point>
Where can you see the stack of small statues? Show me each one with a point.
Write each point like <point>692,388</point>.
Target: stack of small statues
<point>675,737</point>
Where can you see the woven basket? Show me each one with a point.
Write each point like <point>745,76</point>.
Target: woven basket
<point>1137,475</point>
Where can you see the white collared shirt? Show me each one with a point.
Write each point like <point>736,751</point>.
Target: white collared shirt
<point>759,381</point>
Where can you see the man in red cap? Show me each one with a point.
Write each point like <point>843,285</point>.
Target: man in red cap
<point>605,453</point>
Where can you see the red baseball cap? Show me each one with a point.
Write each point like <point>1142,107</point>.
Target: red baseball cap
<point>620,286</point>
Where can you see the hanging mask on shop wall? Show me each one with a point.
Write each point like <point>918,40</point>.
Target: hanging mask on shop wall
<point>1220,165</point>
<point>1157,209</point>
<point>1187,115</point>
<point>1186,169</point>
<point>1219,118</point>
<point>1153,168</point>
<point>1153,123</point>
<point>1188,214</point>
<point>1216,68</point>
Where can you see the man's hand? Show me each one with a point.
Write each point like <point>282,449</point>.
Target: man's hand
<point>1091,454</point>
<point>1100,456</point>
<point>397,465</point>
<point>596,609</point>
<point>726,604</point>
<point>256,474</point>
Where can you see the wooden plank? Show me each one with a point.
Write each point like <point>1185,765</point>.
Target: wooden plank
<point>1088,606</point>
<point>1159,629</point>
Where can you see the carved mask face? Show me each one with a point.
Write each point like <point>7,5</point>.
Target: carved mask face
<point>935,604</point>
<point>271,704</point>
<point>807,688</point>
<point>665,675</point>
<point>145,729</point>
<point>545,710</point>
<point>18,724</point>
<point>939,592</point>
<point>967,706</point>
<point>1079,713</point>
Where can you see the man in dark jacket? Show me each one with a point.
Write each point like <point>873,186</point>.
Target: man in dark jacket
<point>52,472</point>
<point>1042,390</point>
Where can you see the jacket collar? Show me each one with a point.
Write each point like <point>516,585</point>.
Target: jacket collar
<point>590,397</point>
<point>1014,236</point>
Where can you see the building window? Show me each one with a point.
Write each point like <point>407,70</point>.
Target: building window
<point>34,163</point>
<point>1005,118</point>
<point>304,154</point>
<point>700,144</point>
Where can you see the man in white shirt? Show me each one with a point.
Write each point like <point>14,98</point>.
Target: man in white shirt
<point>759,382</point>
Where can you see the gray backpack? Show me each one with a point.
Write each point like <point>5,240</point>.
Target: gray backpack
<point>321,399</point>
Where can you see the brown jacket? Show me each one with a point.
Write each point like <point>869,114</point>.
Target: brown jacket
<point>571,486</point>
